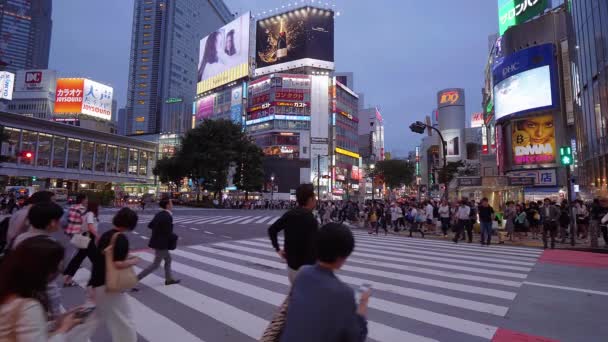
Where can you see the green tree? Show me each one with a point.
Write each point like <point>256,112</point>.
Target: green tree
<point>395,172</point>
<point>447,173</point>
<point>169,170</point>
<point>250,175</point>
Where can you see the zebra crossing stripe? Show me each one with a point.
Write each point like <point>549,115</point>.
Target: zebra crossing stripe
<point>240,320</point>
<point>263,219</point>
<point>249,220</point>
<point>274,220</point>
<point>445,274</point>
<point>401,290</point>
<point>155,327</point>
<point>237,220</point>
<point>271,297</point>
<point>206,220</point>
<point>390,275</point>
<point>225,218</point>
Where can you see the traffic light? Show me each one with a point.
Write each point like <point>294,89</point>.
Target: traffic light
<point>26,154</point>
<point>418,127</point>
<point>34,178</point>
<point>565,155</point>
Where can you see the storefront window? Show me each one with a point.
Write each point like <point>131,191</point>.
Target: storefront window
<point>100,157</point>
<point>73,153</point>
<point>133,158</point>
<point>12,144</point>
<point>44,150</point>
<point>112,155</point>
<point>28,143</point>
<point>122,160</point>
<point>59,152</point>
<point>88,148</point>
<point>143,163</point>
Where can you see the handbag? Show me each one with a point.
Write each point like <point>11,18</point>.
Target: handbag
<point>172,241</point>
<point>117,280</point>
<point>80,240</point>
<point>274,330</point>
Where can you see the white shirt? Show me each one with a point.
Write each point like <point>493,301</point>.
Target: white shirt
<point>429,211</point>
<point>444,211</point>
<point>31,323</point>
<point>463,212</point>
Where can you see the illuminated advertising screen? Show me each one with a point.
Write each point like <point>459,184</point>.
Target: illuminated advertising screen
<point>97,100</point>
<point>477,120</point>
<point>204,108</point>
<point>533,140</point>
<point>68,95</point>
<point>224,55</point>
<point>515,12</point>
<point>305,34</point>
<point>525,81</point>
<point>7,83</point>
<point>450,97</point>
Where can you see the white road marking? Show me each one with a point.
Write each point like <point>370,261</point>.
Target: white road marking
<point>575,289</point>
<point>237,220</point>
<point>274,220</point>
<point>263,219</point>
<point>249,220</point>
<point>226,236</point>
<point>144,237</point>
<point>226,218</point>
<point>208,232</point>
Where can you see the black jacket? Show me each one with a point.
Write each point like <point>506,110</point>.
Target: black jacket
<point>300,228</point>
<point>162,228</point>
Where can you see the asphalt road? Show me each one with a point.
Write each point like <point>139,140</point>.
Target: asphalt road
<point>423,290</point>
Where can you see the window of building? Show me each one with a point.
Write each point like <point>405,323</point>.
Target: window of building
<point>122,160</point>
<point>112,155</point>
<point>141,102</point>
<point>88,150</point>
<point>143,163</point>
<point>147,18</point>
<point>140,119</point>
<point>145,51</point>
<point>59,144</point>
<point>133,158</point>
<point>142,85</point>
<point>100,157</point>
<point>44,150</point>
<point>148,9</point>
<point>144,67</point>
<point>13,144</point>
<point>28,143</point>
<point>147,34</point>
<point>145,59</point>
<point>142,93</point>
<point>73,153</point>
<point>143,76</point>
<point>147,42</point>
<point>147,26</point>
<point>139,131</point>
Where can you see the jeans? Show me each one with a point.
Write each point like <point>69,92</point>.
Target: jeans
<point>445,225</point>
<point>459,229</point>
<point>486,232</point>
<point>468,226</point>
<point>549,228</point>
<point>159,255</point>
<point>77,259</point>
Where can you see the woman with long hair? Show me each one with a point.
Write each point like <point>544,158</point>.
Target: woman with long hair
<point>23,300</point>
<point>90,220</point>
<point>210,55</point>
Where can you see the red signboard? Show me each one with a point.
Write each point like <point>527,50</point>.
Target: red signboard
<point>260,99</point>
<point>288,95</point>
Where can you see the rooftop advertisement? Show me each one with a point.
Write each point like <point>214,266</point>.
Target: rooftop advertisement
<point>7,83</point>
<point>515,12</point>
<point>305,35</point>
<point>526,81</point>
<point>83,96</point>
<point>450,97</point>
<point>224,55</point>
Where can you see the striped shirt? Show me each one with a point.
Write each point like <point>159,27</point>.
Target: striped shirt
<point>75,219</point>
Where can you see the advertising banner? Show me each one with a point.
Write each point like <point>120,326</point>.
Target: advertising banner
<point>97,100</point>
<point>236,105</point>
<point>355,173</point>
<point>224,55</point>
<point>205,107</point>
<point>526,81</point>
<point>477,120</point>
<point>35,80</point>
<point>533,140</point>
<point>7,83</point>
<point>68,96</point>
<point>515,12</point>
<point>450,97</point>
<point>304,33</point>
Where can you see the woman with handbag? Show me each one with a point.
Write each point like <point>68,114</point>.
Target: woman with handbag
<point>113,274</point>
<point>23,299</point>
<point>84,241</point>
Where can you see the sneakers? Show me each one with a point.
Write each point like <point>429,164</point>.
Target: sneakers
<point>172,282</point>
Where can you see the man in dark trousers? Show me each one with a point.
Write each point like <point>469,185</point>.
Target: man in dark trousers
<point>161,241</point>
<point>486,217</point>
<point>549,214</point>
<point>300,228</point>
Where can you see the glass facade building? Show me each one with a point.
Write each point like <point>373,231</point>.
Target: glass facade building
<point>590,87</point>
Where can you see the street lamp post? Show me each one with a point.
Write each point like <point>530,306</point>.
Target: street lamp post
<point>419,127</point>
<point>271,189</point>
<point>373,167</point>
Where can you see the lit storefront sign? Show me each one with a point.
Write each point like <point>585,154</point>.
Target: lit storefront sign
<point>287,95</point>
<point>347,152</point>
<point>515,12</point>
<point>174,100</point>
<point>291,104</point>
<point>278,117</point>
<point>449,97</point>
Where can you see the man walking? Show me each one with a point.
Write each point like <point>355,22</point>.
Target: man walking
<point>162,240</point>
<point>300,229</point>
<point>549,214</point>
<point>462,219</point>
<point>486,216</point>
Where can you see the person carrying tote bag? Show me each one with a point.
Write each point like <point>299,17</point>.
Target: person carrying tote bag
<point>112,274</point>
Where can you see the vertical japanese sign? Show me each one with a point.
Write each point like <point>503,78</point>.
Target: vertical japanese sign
<point>68,96</point>
<point>7,82</point>
<point>515,12</point>
<point>97,100</point>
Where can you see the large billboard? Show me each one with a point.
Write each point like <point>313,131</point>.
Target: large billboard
<point>7,83</point>
<point>83,96</point>
<point>36,80</point>
<point>305,35</point>
<point>515,12</point>
<point>533,140</point>
<point>224,55</point>
<point>450,97</point>
<point>526,81</point>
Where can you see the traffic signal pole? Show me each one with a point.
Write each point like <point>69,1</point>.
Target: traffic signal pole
<point>419,127</point>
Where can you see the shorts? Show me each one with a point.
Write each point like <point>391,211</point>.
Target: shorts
<point>429,221</point>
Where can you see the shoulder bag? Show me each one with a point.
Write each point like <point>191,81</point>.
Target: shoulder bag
<point>275,328</point>
<point>117,280</point>
<point>80,240</point>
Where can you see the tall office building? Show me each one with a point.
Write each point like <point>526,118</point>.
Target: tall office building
<point>163,62</point>
<point>25,34</point>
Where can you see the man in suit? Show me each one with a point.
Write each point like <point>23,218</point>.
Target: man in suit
<point>549,215</point>
<point>160,241</point>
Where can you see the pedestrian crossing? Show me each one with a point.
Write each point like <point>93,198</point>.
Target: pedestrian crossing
<point>206,220</point>
<point>423,290</point>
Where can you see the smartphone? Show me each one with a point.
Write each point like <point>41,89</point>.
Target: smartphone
<point>84,313</point>
<point>363,288</point>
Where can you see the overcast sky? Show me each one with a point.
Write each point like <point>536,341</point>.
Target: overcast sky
<point>401,51</point>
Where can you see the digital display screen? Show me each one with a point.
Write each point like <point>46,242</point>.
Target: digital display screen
<point>524,91</point>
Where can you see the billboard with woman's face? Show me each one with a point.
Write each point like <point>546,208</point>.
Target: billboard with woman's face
<point>533,140</point>
<point>224,55</point>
